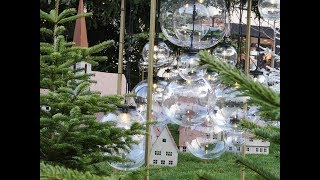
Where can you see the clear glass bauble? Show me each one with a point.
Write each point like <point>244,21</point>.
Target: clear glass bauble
<point>235,138</point>
<point>226,53</point>
<point>200,23</point>
<point>186,102</point>
<point>269,9</point>
<point>141,92</point>
<point>228,107</point>
<point>134,156</point>
<point>160,56</point>
<point>189,67</point>
<point>205,142</point>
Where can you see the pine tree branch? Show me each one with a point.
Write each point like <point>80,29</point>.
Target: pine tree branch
<point>249,164</point>
<point>58,173</point>
<point>46,16</point>
<point>72,18</point>
<point>59,30</point>
<point>46,31</point>
<point>269,132</point>
<point>259,94</point>
<point>99,47</point>
<point>67,12</point>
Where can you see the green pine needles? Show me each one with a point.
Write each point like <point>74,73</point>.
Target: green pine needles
<point>260,95</point>
<point>70,134</point>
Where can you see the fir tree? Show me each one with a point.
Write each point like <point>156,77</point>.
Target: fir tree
<point>70,135</point>
<point>260,95</point>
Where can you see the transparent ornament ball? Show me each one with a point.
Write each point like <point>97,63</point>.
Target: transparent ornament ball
<point>269,9</point>
<point>204,143</point>
<point>168,73</point>
<point>189,67</point>
<point>186,102</point>
<point>235,138</point>
<point>160,57</point>
<point>133,155</point>
<point>196,24</point>
<point>141,92</point>
<point>228,107</point>
<point>226,53</point>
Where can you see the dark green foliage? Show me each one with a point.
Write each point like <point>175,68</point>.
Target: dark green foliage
<point>70,135</point>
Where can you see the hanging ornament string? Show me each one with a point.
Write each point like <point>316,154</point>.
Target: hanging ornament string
<point>193,20</point>
<point>240,30</point>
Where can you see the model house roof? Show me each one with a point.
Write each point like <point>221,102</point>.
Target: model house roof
<point>157,131</point>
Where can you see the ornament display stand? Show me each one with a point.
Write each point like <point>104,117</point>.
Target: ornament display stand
<point>121,44</point>
<point>150,85</point>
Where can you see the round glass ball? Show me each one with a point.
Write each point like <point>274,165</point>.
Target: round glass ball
<point>141,92</point>
<point>269,9</point>
<point>133,155</point>
<point>206,144</point>
<point>186,102</point>
<point>196,24</point>
<point>160,56</point>
<point>235,138</point>
<point>189,67</point>
<point>226,53</point>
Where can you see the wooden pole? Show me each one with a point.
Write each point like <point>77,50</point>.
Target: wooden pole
<point>246,71</point>
<point>150,84</point>
<point>247,62</point>
<point>121,44</point>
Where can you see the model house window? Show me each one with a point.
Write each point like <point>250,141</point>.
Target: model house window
<point>257,149</point>
<point>85,68</point>
<point>75,66</point>
<point>155,161</point>
<point>263,141</point>
<point>251,139</point>
<point>157,153</point>
<point>265,150</point>
<point>260,149</point>
<point>247,149</point>
<point>163,162</point>
<point>168,153</point>
<point>184,149</point>
<point>208,136</point>
<point>170,162</point>
<point>238,148</point>
<point>164,140</point>
<point>230,148</point>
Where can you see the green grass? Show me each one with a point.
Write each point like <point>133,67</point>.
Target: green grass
<point>190,167</point>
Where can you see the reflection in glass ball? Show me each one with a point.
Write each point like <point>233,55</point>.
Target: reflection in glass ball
<point>191,23</point>
<point>226,53</point>
<point>134,155</point>
<point>228,108</point>
<point>235,138</point>
<point>206,142</point>
<point>141,92</point>
<point>160,57</point>
<point>269,9</point>
<point>189,67</point>
<point>177,24</point>
<point>186,102</point>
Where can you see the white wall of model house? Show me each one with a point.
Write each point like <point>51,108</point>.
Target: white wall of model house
<point>253,146</point>
<point>164,151</point>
